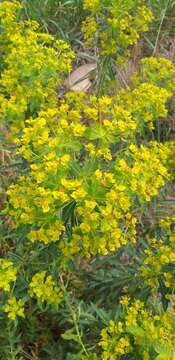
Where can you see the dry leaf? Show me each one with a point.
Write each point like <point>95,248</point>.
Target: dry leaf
<point>78,80</point>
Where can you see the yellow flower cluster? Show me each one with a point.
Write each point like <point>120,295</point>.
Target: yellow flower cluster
<point>74,161</point>
<point>170,161</point>
<point>104,201</point>
<point>89,171</point>
<point>123,22</point>
<point>148,172</point>
<point>113,220</point>
<point>159,258</point>
<point>92,5</point>
<point>146,102</point>
<point>31,67</point>
<point>149,333</point>
<point>8,274</point>
<point>159,71</point>
<point>48,235</point>
<point>45,289</point>
<point>112,344</point>
<point>14,308</point>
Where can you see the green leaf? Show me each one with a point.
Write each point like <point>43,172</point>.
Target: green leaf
<point>68,211</point>
<point>90,167</point>
<point>95,132</point>
<point>163,350</point>
<point>136,331</point>
<point>101,314</point>
<point>69,335</point>
<point>162,357</point>
<point>74,167</point>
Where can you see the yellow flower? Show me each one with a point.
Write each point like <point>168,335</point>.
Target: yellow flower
<point>14,308</point>
<point>92,5</point>
<point>7,274</point>
<point>45,288</point>
<point>79,194</point>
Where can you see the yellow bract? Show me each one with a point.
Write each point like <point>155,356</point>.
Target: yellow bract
<point>31,69</point>
<point>45,289</point>
<point>71,153</point>
<point>89,171</point>
<point>14,308</point>
<point>139,328</point>
<point>8,274</point>
<point>123,22</point>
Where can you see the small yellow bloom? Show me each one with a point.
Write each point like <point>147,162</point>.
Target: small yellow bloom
<point>14,308</point>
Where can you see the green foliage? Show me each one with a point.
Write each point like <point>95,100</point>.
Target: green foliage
<point>162,28</point>
<point>61,18</point>
<point>86,263</point>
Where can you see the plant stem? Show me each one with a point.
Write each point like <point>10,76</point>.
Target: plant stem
<point>74,318</point>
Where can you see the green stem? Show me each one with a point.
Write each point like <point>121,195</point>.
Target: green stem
<point>73,317</point>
